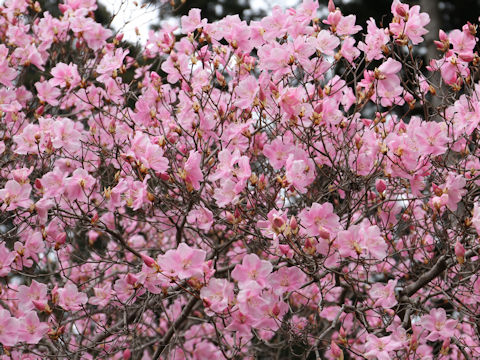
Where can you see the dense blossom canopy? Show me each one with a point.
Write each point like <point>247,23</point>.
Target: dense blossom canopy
<point>291,187</point>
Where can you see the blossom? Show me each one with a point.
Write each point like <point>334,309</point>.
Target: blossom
<point>15,195</point>
<point>384,295</point>
<point>217,294</point>
<point>183,262</point>
<point>65,75</point>
<point>252,269</point>
<point>9,327</point>
<point>70,298</point>
<point>30,329</point>
<point>201,217</point>
<point>437,325</point>
<point>246,91</point>
<point>35,292</point>
<point>193,172</point>
<point>320,220</point>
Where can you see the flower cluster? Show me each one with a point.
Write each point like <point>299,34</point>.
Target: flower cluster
<point>294,185</point>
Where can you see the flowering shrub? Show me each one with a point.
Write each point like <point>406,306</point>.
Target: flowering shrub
<point>286,188</point>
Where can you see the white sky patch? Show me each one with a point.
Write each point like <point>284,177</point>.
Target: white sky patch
<point>128,15</point>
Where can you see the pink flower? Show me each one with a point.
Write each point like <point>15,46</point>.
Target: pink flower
<point>374,41</point>
<point>15,195</point>
<point>65,135</point>
<point>184,262</point>
<point>31,330</point>
<point>71,299</point>
<point>26,294</point>
<point>6,258</point>
<point>65,75</point>
<point>380,348</point>
<point>153,158</point>
<point>252,269</point>
<point>103,294</point>
<point>79,185</point>
<point>47,92</point>
<point>286,279</point>
<point>277,152</point>
<point>192,21</point>
<point>7,74</point>
<point>201,217</point>
<point>476,217</point>
<point>351,242</point>
<point>320,220</point>
<point>438,325</point>
<point>217,294</point>
<point>9,327</point>
<point>193,172</point>
<point>326,42</point>
<point>384,295</point>
<point>300,171</point>
<point>453,190</point>
<point>245,92</point>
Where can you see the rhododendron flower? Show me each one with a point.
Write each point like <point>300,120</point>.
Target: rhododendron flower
<point>183,262</point>
<point>103,295</point>
<point>453,190</point>
<point>79,185</point>
<point>246,92</point>
<point>9,327</point>
<point>252,269</point>
<point>286,279</point>
<point>384,295</point>
<point>47,92</point>
<point>193,172</point>
<point>70,299</point>
<point>437,325</point>
<point>65,75</point>
<point>476,217</point>
<point>217,294</point>
<point>192,21</point>
<point>30,329</point>
<point>201,217</point>
<point>35,292</point>
<point>380,348</point>
<point>15,195</point>
<point>320,220</point>
<point>6,259</point>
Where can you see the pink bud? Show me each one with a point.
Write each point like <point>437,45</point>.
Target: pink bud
<point>466,56</point>
<point>132,279</point>
<point>40,306</point>
<point>336,351</point>
<point>324,233</point>
<point>229,216</point>
<point>401,9</point>
<point>380,185</point>
<point>38,184</point>
<point>127,354</point>
<point>284,249</point>
<point>119,37</point>
<point>148,261</point>
<point>331,6</point>
<point>460,252</point>
<point>442,35</point>
<point>276,309</point>
<point>61,238</point>
<point>238,214</point>
<point>278,222</point>
<point>293,223</point>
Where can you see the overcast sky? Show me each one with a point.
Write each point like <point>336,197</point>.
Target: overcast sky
<point>129,15</point>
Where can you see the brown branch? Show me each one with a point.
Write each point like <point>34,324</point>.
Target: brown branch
<point>175,326</point>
